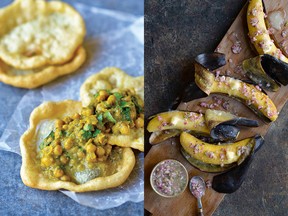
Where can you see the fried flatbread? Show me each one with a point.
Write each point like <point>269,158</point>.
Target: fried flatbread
<point>36,33</point>
<point>36,77</point>
<point>31,172</point>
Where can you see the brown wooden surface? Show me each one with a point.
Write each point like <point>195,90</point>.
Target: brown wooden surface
<point>185,204</point>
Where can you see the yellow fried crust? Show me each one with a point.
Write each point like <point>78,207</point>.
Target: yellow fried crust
<point>30,170</point>
<point>36,77</point>
<point>35,33</point>
<point>259,33</point>
<point>110,78</point>
<point>134,140</point>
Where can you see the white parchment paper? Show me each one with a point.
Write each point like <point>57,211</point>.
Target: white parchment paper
<point>113,39</point>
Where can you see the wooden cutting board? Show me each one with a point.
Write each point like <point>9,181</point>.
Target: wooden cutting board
<point>185,204</point>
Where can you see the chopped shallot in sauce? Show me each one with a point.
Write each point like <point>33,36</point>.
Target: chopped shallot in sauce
<point>169,178</point>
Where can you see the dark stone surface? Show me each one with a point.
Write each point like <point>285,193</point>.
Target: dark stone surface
<point>175,32</point>
<point>15,197</point>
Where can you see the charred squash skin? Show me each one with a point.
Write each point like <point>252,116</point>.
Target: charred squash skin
<point>217,154</point>
<point>253,98</point>
<point>178,120</point>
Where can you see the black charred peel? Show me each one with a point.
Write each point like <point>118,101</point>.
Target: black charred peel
<point>223,125</point>
<point>266,71</point>
<point>231,180</point>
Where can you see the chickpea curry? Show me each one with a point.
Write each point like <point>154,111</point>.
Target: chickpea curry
<point>78,149</point>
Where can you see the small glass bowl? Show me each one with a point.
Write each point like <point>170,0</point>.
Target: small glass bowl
<point>169,178</point>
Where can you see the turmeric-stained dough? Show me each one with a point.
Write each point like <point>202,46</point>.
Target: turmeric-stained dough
<point>31,173</point>
<point>37,33</point>
<point>36,77</point>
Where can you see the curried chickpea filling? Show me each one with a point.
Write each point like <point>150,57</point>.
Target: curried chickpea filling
<point>78,150</point>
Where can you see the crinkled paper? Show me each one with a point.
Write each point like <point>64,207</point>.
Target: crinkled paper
<point>113,39</point>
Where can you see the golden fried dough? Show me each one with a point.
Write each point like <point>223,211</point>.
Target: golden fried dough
<point>37,33</point>
<point>31,172</point>
<point>36,77</point>
<point>110,78</point>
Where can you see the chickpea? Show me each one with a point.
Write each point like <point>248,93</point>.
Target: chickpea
<point>80,154</point>
<point>68,143</point>
<point>102,95</point>
<point>58,172</point>
<point>101,107</point>
<point>73,162</point>
<point>64,127</point>
<point>80,167</point>
<point>57,150</point>
<point>133,113</point>
<point>65,178</point>
<point>90,148</point>
<point>64,159</point>
<point>139,122</point>
<point>74,150</point>
<point>76,116</point>
<point>57,142</point>
<point>101,138</point>
<point>47,161</point>
<point>59,123</point>
<point>93,120</point>
<point>87,112</point>
<point>67,119</point>
<point>100,151</point>
<point>111,100</point>
<point>127,98</point>
<point>124,129</point>
<point>91,157</point>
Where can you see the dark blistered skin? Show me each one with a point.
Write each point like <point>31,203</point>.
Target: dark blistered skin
<point>175,33</point>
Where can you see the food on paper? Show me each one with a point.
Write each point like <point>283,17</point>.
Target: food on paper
<point>83,148</point>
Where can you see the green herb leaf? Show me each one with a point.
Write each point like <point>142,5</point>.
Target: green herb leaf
<point>126,114</point>
<point>96,95</point>
<point>100,117</point>
<point>63,133</point>
<point>86,134</point>
<point>118,95</point>
<point>109,117</point>
<point>125,104</point>
<point>96,132</point>
<point>88,127</point>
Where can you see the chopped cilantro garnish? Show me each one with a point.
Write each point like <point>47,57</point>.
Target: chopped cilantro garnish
<point>126,113</point>
<point>118,95</point>
<point>100,118</point>
<point>88,127</point>
<point>109,117</point>
<point>124,104</point>
<point>96,132</point>
<point>96,95</point>
<point>63,133</point>
<point>86,134</point>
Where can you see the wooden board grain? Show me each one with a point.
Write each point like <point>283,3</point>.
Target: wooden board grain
<point>186,204</point>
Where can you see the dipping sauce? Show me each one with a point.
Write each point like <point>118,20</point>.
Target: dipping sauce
<point>169,178</point>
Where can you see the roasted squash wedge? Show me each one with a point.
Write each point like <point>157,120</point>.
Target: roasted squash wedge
<point>249,94</point>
